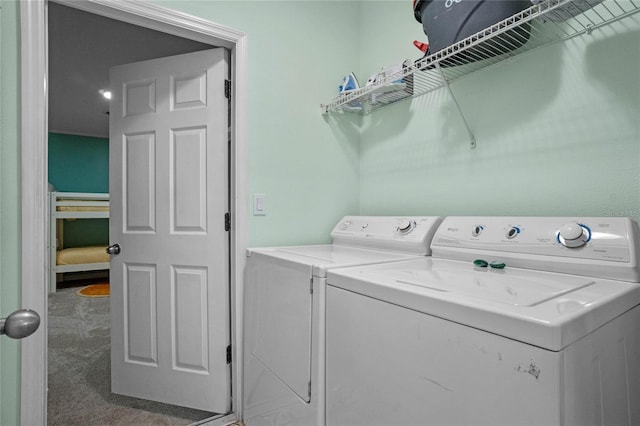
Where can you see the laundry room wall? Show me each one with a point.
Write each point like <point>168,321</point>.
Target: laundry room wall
<point>297,54</point>
<point>9,207</point>
<point>557,129</point>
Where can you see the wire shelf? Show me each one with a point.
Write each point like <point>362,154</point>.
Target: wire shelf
<point>541,24</point>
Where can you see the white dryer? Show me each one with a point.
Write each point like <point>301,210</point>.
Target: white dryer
<point>550,335</point>
<point>283,382</point>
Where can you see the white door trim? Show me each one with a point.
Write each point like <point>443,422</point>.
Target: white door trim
<point>33,180</point>
<point>34,171</point>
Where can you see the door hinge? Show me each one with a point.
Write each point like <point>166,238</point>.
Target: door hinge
<point>227,89</point>
<point>309,389</point>
<point>229,354</point>
<point>311,285</point>
<point>227,221</point>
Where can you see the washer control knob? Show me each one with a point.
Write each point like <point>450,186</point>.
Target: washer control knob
<point>512,232</point>
<point>405,226</point>
<point>477,230</point>
<point>573,235</point>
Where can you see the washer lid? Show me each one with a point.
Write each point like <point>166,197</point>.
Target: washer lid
<point>544,309</point>
<point>518,288</point>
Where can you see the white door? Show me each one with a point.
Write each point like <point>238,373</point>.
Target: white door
<point>169,195</point>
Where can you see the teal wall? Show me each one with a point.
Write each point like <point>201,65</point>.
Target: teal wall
<point>9,208</point>
<point>558,130</point>
<point>80,164</point>
<point>86,232</point>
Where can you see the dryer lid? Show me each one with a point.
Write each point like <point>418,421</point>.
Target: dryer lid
<point>320,258</point>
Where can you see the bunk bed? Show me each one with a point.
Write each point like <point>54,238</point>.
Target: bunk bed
<point>75,205</point>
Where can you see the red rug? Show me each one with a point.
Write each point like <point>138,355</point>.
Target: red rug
<point>94,290</point>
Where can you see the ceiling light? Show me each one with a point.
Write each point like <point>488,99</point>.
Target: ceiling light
<point>105,93</point>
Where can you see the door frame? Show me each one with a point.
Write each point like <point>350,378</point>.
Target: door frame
<point>34,176</point>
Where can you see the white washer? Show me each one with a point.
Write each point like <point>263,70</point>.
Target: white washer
<point>283,378</point>
<point>442,341</point>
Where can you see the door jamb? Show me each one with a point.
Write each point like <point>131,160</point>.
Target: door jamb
<point>34,181</point>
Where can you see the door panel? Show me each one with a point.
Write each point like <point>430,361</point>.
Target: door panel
<point>138,163</point>
<point>189,291</point>
<point>169,194</point>
<point>140,326</point>
<point>189,180</point>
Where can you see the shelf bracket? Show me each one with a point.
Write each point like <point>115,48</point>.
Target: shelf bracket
<point>455,101</point>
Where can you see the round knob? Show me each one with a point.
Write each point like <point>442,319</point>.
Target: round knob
<point>477,230</point>
<point>114,249</point>
<point>406,226</point>
<point>513,232</point>
<point>20,324</point>
<point>573,235</point>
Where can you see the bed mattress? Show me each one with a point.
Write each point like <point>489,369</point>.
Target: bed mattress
<point>71,210</point>
<point>82,208</point>
<point>80,255</point>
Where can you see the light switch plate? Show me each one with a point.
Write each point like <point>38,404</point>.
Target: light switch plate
<point>259,205</point>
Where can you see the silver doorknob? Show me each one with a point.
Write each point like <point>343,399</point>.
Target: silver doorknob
<point>113,249</point>
<point>20,324</point>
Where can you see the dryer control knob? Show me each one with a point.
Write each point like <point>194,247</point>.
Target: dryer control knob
<point>405,226</point>
<point>573,235</point>
<point>477,230</point>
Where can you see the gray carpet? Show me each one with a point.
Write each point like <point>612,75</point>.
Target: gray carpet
<point>79,371</point>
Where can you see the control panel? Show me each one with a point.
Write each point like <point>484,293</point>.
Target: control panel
<point>397,233</point>
<point>594,246</point>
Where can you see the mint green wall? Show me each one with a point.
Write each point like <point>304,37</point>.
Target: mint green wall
<point>9,208</point>
<point>558,130</point>
<point>298,52</point>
